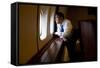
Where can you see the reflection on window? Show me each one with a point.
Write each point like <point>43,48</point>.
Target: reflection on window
<point>52,20</point>
<point>43,22</point>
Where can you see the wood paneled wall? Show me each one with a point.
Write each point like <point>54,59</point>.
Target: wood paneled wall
<point>27,32</point>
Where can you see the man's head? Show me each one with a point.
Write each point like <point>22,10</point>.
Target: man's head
<point>59,17</point>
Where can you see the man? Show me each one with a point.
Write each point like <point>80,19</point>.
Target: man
<point>64,32</point>
<point>64,26</point>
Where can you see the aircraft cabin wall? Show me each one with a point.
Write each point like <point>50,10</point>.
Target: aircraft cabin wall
<point>36,25</point>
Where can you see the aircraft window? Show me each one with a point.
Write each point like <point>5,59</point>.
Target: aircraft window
<point>43,22</point>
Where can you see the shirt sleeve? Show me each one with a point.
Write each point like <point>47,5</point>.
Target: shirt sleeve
<point>67,29</point>
<point>57,33</point>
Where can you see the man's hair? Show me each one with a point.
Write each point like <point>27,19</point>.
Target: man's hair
<point>60,14</point>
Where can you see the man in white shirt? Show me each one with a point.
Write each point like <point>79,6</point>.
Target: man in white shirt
<point>64,32</point>
<point>64,26</point>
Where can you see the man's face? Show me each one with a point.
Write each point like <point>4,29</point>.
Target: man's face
<point>58,19</point>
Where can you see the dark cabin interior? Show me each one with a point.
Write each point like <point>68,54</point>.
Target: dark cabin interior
<point>84,38</point>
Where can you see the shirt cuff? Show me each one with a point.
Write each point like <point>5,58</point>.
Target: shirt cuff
<point>57,33</point>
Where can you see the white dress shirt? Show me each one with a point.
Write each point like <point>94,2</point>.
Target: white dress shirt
<point>67,26</point>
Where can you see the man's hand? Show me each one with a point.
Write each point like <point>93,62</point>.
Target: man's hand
<point>64,39</point>
<point>59,39</point>
<point>55,36</point>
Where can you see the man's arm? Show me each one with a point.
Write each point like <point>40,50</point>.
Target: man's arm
<point>67,30</point>
<point>55,36</point>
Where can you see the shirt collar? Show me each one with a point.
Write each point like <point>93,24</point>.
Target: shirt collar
<point>61,24</point>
